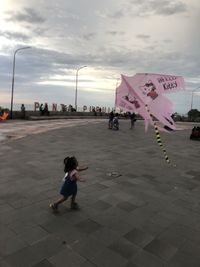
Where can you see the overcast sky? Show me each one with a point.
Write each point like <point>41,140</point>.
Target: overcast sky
<point>110,37</point>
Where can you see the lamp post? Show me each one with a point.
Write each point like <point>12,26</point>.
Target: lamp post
<point>193,96</point>
<point>13,79</point>
<point>77,85</point>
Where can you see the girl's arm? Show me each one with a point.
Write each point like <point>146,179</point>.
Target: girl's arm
<point>82,168</point>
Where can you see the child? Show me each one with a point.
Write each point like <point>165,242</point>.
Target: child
<point>69,187</point>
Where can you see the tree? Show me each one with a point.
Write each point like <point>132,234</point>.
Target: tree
<point>193,114</point>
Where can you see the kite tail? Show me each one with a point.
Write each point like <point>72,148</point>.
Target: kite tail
<point>158,138</point>
<point>160,143</point>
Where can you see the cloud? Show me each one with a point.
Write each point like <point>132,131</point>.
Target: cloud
<point>17,36</point>
<point>89,36</point>
<point>157,7</point>
<point>118,14</point>
<point>167,7</point>
<point>28,15</point>
<point>143,36</point>
<point>113,33</point>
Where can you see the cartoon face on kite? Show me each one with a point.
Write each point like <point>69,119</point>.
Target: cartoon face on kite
<point>132,100</point>
<point>149,89</point>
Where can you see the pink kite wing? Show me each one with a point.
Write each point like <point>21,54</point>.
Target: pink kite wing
<point>144,91</point>
<point>128,100</point>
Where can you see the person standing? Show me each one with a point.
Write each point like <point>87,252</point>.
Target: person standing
<point>110,122</point>
<point>23,112</point>
<point>41,109</point>
<point>133,119</point>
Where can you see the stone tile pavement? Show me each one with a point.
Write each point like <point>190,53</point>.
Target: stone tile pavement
<point>136,210</point>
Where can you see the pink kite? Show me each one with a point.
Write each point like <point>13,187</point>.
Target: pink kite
<point>143,94</point>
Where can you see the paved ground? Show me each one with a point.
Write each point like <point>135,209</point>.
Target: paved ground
<point>149,216</point>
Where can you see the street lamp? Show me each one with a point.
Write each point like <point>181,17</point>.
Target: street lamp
<point>193,96</point>
<point>77,85</point>
<point>13,79</point>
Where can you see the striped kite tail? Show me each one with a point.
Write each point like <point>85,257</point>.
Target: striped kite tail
<point>158,138</point>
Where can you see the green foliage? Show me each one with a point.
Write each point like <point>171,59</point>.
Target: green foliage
<point>193,114</point>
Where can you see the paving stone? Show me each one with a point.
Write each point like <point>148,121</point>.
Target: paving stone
<point>145,259</point>
<point>88,226</point>
<point>182,259</point>
<point>115,219</point>
<point>125,248</point>
<point>176,234</point>
<point>87,264</point>
<point>67,257</point>
<point>83,247</point>
<point>23,258</point>
<point>106,235</point>
<point>101,205</point>
<point>161,249</point>
<point>191,248</point>
<point>162,220</point>
<point>10,242</point>
<point>130,264</point>
<point>139,237</point>
<point>127,206</point>
<point>152,228</point>
<point>4,264</point>
<point>44,263</point>
<point>4,207</point>
<point>33,234</point>
<point>107,258</point>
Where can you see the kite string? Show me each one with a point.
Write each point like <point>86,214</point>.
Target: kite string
<point>158,138</point>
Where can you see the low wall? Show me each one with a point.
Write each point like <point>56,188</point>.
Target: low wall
<point>56,115</point>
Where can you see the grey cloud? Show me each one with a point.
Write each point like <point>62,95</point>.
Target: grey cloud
<point>167,7</point>
<point>143,36</point>
<point>89,36</point>
<point>157,7</point>
<point>28,15</point>
<point>18,36</point>
<point>115,33</point>
<point>118,14</point>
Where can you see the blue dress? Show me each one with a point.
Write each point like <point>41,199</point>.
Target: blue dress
<point>69,187</point>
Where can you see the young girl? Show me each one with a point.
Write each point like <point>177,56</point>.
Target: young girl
<point>69,187</point>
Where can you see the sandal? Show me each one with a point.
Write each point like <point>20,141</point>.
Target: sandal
<point>54,207</point>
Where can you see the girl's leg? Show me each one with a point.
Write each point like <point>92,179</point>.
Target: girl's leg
<point>74,205</point>
<point>61,200</point>
<point>54,205</point>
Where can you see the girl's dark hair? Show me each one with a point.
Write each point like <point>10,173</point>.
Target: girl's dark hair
<point>71,163</point>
